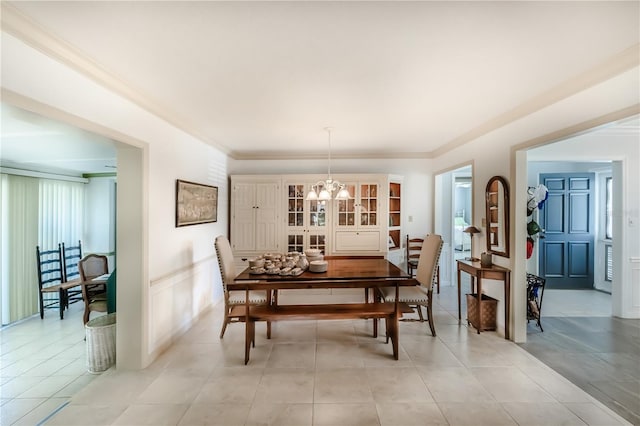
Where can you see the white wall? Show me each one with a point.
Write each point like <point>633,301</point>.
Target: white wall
<point>173,277</point>
<point>99,231</point>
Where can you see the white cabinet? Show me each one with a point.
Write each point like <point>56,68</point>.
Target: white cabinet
<point>357,220</point>
<point>357,241</point>
<point>270,213</point>
<point>255,208</point>
<point>307,222</point>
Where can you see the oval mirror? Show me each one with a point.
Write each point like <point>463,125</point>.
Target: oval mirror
<point>497,220</point>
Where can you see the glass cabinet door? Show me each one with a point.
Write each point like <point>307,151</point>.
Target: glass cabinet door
<point>295,242</point>
<point>307,221</point>
<point>317,214</point>
<point>347,209</point>
<point>368,204</point>
<point>318,241</point>
<point>295,205</point>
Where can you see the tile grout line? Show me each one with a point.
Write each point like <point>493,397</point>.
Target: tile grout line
<point>53,413</point>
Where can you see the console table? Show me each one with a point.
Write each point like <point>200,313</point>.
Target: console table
<point>479,272</point>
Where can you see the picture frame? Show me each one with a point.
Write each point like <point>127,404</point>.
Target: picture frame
<point>196,203</point>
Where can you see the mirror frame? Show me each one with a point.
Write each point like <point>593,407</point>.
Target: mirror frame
<point>505,218</point>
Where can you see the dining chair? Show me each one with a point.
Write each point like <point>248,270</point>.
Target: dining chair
<point>93,294</point>
<point>50,277</point>
<point>234,301</point>
<point>71,255</point>
<point>422,294</point>
<point>413,248</point>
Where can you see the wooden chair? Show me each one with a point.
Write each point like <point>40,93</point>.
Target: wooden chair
<point>71,255</point>
<point>234,301</point>
<point>50,278</point>
<point>420,295</point>
<point>94,294</point>
<point>413,248</point>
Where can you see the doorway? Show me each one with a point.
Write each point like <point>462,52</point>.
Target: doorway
<point>568,220</point>
<point>454,188</point>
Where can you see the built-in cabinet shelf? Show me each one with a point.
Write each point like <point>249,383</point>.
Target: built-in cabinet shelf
<point>270,213</point>
<point>395,240</point>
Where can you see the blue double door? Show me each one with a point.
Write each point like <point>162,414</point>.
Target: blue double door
<point>567,218</point>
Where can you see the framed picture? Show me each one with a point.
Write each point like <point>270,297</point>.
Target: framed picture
<point>195,203</point>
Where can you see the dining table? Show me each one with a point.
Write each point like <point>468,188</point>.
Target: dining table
<point>353,272</point>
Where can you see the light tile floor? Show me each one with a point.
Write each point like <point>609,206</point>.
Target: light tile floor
<point>309,373</point>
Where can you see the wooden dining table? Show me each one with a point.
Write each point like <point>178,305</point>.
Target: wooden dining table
<point>365,273</point>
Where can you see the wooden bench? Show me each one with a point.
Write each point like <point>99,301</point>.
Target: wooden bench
<point>390,312</point>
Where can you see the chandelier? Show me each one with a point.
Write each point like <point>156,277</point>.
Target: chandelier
<point>323,190</point>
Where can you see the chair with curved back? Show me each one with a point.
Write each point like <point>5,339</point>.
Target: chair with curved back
<point>234,301</point>
<point>413,248</point>
<point>93,293</point>
<point>422,294</point>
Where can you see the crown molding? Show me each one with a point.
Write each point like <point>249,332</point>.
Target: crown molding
<point>349,155</point>
<point>25,29</point>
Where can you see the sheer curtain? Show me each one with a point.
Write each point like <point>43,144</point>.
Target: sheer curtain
<point>60,213</point>
<point>35,211</point>
<point>19,240</point>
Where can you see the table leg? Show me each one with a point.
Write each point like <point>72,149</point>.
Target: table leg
<point>375,320</point>
<point>459,314</point>
<point>247,329</point>
<point>479,295</point>
<point>394,327</point>
<point>507,304</point>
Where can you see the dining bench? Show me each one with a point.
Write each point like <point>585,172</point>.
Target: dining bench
<point>391,312</point>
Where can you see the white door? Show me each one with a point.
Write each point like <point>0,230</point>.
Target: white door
<point>244,213</point>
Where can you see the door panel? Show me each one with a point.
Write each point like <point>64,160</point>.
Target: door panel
<point>579,205</point>
<point>554,259</point>
<point>554,214</point>
<point>267,216</point>
<point>579,259</point>
<point>244,216</point>
<point>567,218</point>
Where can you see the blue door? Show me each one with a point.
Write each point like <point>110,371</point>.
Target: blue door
<point>567,219</point>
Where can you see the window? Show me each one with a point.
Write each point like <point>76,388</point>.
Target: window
<point>608,222</point>
<point>608,263</point>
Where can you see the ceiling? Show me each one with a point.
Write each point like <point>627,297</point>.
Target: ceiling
<point>33,142</point>
<point>393,79</point>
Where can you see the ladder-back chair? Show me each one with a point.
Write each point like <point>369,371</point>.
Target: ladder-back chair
<point>50,277</point>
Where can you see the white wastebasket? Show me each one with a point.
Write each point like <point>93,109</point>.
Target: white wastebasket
<point>101,343</point>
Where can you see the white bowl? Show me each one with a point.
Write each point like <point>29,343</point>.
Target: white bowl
<point>318,266</point>
<point>315,258</point>
<point>256,262</point>
<point>313,252</point>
